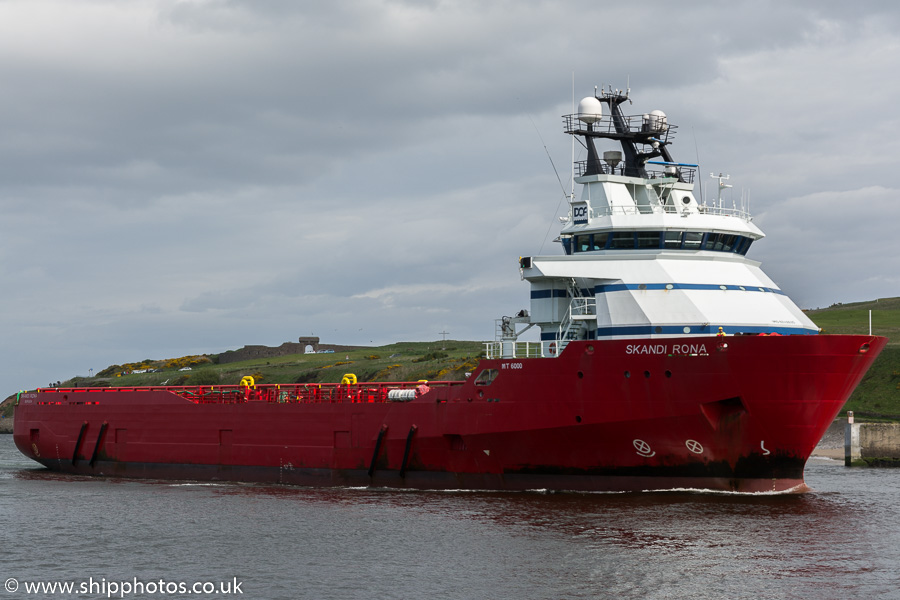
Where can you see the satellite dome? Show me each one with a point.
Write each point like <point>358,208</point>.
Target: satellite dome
<point>656,121</point>
<point>590,110</point>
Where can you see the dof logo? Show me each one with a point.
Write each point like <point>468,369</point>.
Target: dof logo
<point>580,213</point>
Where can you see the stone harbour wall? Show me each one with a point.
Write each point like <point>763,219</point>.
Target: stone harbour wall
<point>875,444</point>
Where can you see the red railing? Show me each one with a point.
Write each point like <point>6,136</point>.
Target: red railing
<point>362,392</point>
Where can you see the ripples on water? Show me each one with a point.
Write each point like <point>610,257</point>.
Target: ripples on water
<point>842,540</point>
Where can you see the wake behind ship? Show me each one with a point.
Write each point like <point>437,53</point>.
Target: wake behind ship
<point>667,359</point>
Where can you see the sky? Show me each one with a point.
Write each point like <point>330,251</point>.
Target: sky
<point>185,177</point>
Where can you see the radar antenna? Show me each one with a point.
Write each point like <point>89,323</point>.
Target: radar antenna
<point>722,185</point>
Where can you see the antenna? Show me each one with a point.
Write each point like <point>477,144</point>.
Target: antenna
<point>697,151</point>
<point>722,186</point>
<point>565,195</point>
<point>572,179</point>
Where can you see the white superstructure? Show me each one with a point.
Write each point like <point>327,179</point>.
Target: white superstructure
<point>642,257</point>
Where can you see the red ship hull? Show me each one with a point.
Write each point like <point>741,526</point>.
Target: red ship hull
<point>625,415</point>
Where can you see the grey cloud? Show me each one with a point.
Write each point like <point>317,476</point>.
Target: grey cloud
<point>182,177</point>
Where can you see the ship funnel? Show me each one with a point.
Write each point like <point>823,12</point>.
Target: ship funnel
<point>612,158</point>
<point>590,110</point>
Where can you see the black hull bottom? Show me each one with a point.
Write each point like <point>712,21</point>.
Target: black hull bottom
<point>431,480</point>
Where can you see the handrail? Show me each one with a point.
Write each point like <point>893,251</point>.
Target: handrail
<point>703,209</point>
<point>513,349</point>
<point>368,392</point>
<point>686,173</point>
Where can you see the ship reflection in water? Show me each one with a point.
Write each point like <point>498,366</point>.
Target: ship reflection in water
<point>841,540</point>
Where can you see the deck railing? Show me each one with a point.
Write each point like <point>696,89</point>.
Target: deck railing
<point>703,209</point>
<point>513,349</point>
<point>363,392</point>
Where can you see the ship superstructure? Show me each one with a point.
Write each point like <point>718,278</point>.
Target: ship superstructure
<point>643,258</point>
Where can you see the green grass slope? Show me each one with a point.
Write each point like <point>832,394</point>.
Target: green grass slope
<point>878,396</point>
<point>854,318</point>
<point>404,361</point>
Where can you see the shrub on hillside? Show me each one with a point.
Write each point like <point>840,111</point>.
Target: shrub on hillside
<point>430,356</point>
<point>110,371</point>
<point>204,377</point>
<point>307,377</point>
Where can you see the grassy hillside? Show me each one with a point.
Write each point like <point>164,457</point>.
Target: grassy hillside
<point>878,396</point>
<point>854,318</point>
<point>396,362</point>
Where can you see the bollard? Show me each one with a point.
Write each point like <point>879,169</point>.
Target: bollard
<point>851,440</point>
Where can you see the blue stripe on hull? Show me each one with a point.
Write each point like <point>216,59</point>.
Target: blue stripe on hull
<point>640,287</point>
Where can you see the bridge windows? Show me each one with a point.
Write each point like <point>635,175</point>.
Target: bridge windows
<point>653,240</point>
<point>648,239</point>
<point>622,240</point>
<point>720,242</point>
<point>592,241</point>
<point>582,243</point>
<point>673,240</point>
<point>692,240</point>
<point>600,241</point>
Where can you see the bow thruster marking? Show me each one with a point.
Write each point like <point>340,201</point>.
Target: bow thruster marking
<point>643,448</point>
<point>694,446</point>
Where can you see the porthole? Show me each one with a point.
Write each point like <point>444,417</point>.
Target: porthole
<point>627,374</point>
<point>668,373</point>
<point>578,418</point>
<point>687,329</point>
<point>669,286</point>
<point>647,374</point>
<point>580,375</point>
<point>658,329</point>
<point>723,287</point>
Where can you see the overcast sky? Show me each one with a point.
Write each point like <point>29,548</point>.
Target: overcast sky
<point>182,177</point>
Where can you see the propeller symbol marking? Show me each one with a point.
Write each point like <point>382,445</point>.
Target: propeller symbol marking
<point>643,448</point>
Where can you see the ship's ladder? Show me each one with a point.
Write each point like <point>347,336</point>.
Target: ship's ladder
<point>576,322</point>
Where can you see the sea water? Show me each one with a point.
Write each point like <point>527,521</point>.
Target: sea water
<point>158,539</point>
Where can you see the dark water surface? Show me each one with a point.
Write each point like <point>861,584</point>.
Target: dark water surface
<point>840,541</point>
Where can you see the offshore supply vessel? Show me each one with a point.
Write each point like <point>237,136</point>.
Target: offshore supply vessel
<point>667,359</point>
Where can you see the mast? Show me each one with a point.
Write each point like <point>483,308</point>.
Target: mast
<point>641,137</point>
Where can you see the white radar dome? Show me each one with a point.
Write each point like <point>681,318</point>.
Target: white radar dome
<point>656,121</point>
<point>590,110</point>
